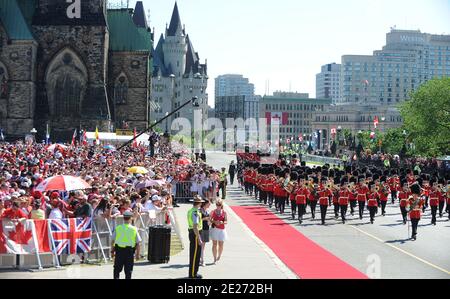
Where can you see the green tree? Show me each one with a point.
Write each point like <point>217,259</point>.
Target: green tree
<point>427,118</point>
<point>393,141</point>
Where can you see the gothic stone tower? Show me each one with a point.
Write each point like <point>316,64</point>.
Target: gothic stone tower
<point>71,70</point>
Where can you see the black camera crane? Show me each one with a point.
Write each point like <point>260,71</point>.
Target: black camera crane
<point>194,103</point>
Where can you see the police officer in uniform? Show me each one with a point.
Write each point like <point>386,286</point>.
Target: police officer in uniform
<point>195,242</point>
<point>223,182</point>
<point>126,242</point>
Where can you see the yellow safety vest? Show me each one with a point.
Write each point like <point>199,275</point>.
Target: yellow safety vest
<point>223,176</point>
<point>191,221</point>
<point>126,236</point>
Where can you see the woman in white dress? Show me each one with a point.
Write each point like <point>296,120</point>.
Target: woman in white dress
<point>218,234</point>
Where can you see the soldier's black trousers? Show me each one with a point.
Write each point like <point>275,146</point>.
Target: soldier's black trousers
<point>414,224</point>
<point>336,209</point>
<point>352,206</point>
<point>393,196</point>
<point>383,207</point>
<point>263,197</point>
<point>313,205</point>
<point>361,205</point>
<point>282,204</point>
<point>404,214</point>
<point>441,207</point>
<point>343,211</point>
<point>270,198</point>
<point>433,214</point>
<point>301,208</point>
<point>372,211</point>
<point>323,213</point>
<point>293,208</point>
<point>124,259</point>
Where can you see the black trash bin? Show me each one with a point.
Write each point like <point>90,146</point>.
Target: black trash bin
<point>159,244</point>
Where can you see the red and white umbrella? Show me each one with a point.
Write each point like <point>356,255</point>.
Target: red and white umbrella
<point>59,147</point>
<point>183,161</point>
<point>63,183</point>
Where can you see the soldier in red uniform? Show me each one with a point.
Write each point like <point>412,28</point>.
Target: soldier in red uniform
<point>270,185</point>
<point>362,192</point>
<point>335,200</point>
<point>441,183</point>
<point>292,187</point>
<point>393,183</point>
<point>343,198</point>
<point>352,196</point>
<point>403,196</point>
<point>415,208</point>
<point>434,196</point>
<point>313,198</point>
<point>372,201</point>
<point>301,194</point>
<point>263,185</point>
<point>323,194</point>
<point>383,195</point>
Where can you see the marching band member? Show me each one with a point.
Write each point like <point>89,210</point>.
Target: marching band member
<point>372,201</point>
<point>393,183</point>
<point>323,194</point>
<point>383,195</point>
<point>362,192</point>
<point>441,183</point>
<point>291,188</point>
<point>415,208</point>
<point>263,186</point>
<point>343,199</point>
<point>434,195</point>
<point>336,198</point>
<point>403,196</point>
<point>314,197</point>
<point>302,194</point>
<point>270,186</point>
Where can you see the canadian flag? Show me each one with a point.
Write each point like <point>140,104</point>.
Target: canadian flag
<point>24,237</point>
<point>135,145</point>
<point>300,137</point>
<point>84,138</point>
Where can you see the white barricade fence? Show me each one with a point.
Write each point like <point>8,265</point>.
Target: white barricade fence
<point>320,159</point>
<point>102,230</point>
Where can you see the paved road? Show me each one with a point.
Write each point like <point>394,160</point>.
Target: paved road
<point>381,250</point>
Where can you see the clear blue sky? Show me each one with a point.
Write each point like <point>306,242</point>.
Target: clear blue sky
<point>287,41</point>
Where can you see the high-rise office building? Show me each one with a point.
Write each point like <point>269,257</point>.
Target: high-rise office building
<point>328,82</point>
<point>409,59</point>
<point>233,85</point>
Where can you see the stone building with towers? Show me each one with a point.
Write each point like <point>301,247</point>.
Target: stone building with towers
<point>73,72</point>
<point>178,76</point>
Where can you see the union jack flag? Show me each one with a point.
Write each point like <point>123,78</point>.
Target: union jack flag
<point>71,236</point>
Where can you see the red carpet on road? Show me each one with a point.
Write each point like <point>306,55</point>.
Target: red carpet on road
<point>304,257</point>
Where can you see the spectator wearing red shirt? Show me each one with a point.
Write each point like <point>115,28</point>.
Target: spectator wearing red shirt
<point>218,234</point>
<point>14,213</point>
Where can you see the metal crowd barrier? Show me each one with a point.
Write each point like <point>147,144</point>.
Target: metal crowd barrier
<point>183,191</point>
<point>100,243</point>
<point>332,161</point>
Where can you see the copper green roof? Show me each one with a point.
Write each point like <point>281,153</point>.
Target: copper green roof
<point>14,15</point>
<point>124,34</point>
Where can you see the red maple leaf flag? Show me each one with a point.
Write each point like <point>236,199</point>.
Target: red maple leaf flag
<point>375,122</point>
<point>18,238</point>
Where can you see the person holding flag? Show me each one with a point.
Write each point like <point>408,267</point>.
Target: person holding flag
<point>97,137</point>
<point>74,138</point>
<point>135,144</point>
